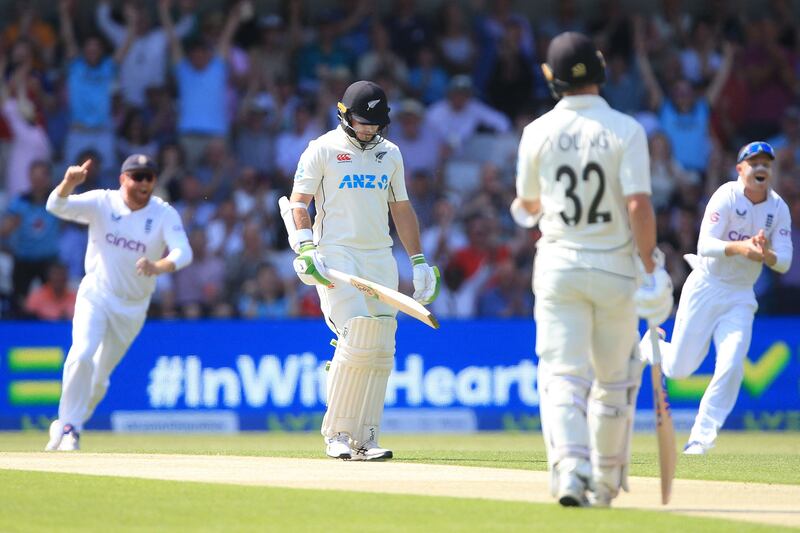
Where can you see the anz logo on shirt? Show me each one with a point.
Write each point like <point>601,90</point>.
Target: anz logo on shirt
<point>364,181</point>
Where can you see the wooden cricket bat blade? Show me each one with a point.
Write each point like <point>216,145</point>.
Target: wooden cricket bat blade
<point>391,297</point>
<point>665,433</point>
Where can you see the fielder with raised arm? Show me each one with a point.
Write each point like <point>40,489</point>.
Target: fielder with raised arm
<point>583,175</point>
<point>355,177</point>
<point>746,225</point>
<point>129,231</point>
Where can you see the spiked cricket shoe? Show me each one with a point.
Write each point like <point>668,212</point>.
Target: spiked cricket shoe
<point>338,446</point>
<point>370,451</point>
<point>571,490</point>
<point>695,448</point>
<point>70,441</point>
<point>56,434</point>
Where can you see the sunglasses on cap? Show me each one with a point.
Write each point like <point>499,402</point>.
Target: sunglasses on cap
<point>755,148</point>
<point>142,176</point>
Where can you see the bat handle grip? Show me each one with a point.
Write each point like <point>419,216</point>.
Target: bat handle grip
<point>654,338</point>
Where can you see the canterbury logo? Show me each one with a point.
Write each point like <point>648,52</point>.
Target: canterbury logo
<point>579,70</point>
<point>343,157</point>
<point>372,103</point>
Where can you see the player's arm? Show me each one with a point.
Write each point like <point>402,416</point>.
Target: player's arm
<point>407,225</point>
<point>180,253</point>
<point>64,204</point>
<point>308,265</point>
<point>526,209</point>
<point>427,279</point>
<point>710,242</point>
<point>643,227</point>
<point>778,252</point>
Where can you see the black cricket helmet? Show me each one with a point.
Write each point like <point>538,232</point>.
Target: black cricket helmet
<point>573,61</point>
<point>365,102</point>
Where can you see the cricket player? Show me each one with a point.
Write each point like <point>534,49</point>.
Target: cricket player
<point>129,230</point>
<point>583,175</point>
<point>745,225</point>
<point>355,177</point>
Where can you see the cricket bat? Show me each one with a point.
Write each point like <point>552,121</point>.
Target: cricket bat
<point>665,429</point>
<point>391,297</point>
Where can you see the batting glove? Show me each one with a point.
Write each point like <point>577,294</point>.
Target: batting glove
<point>426,280</point>
<point>521,216</point>
<point>310,267</point>
<point>654,298</point>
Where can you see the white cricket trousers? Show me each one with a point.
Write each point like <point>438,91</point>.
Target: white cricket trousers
<point>711,310</point>
<point>102,331</point>
<point>344,302</point>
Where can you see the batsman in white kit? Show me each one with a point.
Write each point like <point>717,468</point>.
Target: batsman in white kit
<point>746,225</point>
<point>355,177</point>
<point>583,175</point>
<point>129,232</point>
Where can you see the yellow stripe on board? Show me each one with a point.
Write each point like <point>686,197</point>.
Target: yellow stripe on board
<point>34,392</point>
<point>34,359</point>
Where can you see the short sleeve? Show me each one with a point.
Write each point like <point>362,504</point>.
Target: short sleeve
<point>528,186</point>
<point>634,169</point>
<point>397,181</point>
<point>310,169</point>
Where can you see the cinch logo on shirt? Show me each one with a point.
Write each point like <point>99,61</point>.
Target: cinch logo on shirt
<point>128,244</point>
<point>734,235</point>
<point>364,181</point>
<point>343,158</point>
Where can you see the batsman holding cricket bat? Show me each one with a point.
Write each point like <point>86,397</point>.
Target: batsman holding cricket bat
<point>355,177</point>
<point>583,175</point>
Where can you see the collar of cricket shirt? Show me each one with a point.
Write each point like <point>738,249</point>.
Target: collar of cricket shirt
<point>578,101</point>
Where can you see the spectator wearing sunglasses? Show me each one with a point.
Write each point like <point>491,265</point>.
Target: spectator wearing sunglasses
<point>129,231</point>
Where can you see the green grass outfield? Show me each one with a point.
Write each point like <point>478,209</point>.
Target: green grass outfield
<point>33,501</point>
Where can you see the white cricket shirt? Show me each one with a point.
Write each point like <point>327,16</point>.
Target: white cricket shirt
<point>580,160</point>
<point>730,216</point>
<point>118,237</point>
<point>352,189</point>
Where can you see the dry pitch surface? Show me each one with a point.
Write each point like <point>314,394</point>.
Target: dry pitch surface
<point>752,502</point>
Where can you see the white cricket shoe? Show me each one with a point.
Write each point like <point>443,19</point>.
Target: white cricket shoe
<point>696,448</point>
<point>338,446</point>
<point>571,490</point>
<point>370,451</point>
<point>600,496</point>
<point>70,441</point>
<point>56,434</point>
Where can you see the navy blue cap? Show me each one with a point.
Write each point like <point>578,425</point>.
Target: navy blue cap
<point>139,162</point>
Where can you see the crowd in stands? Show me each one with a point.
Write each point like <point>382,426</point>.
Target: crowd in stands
<point>227,95</point>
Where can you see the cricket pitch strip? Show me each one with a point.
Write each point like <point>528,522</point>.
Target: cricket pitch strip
<point>751,502</point>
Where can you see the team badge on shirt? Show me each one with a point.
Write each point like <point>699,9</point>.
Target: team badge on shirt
<point>148,225</point>
<point>770,218</point>
<point>379,156</point>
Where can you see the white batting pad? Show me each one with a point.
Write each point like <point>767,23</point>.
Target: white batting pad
<point>562,408</point>
<point>358,376</point>
<point>612,407</point>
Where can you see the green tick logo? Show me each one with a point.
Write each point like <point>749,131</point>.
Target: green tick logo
<point>48,360</point>
<point>758,376</point>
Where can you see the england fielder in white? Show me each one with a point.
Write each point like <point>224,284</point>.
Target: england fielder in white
<point>583,175</point>
<point>745,225</point>
<point>129,230</point>
<point>355,177</point>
